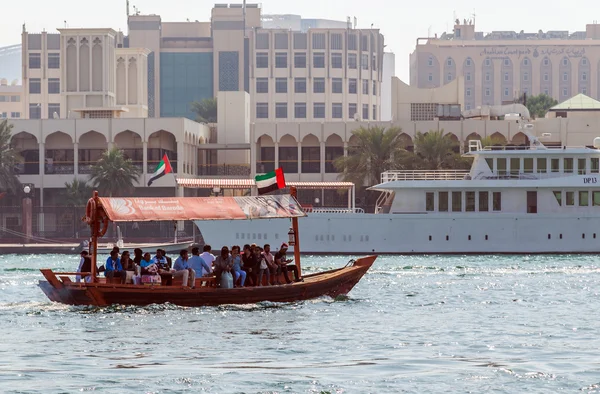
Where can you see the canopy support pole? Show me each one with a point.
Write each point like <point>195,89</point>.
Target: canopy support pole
<point>294,194</point>
<point>95,230</point>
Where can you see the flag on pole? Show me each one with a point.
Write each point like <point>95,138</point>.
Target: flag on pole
<point>270,181</point>
<point>163,168</point>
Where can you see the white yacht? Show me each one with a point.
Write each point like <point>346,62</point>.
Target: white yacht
<point>536,199</point>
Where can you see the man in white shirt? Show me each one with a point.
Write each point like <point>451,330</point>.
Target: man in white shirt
<point>208,257</point>
<point>84,254</point>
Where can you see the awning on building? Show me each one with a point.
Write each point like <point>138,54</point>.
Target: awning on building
<point>209,183</point>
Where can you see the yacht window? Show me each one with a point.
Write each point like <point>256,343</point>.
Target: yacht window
<point>497,201</point>
<point>515,166</point>
<point>541,165</point>
<point>581,166</point>
<point>570,198</point>
<point>568,164</point>
<point>470,201</point>
<point>483,202</point>
<point>443,202</point>
<point>595,164</point>
<point>528,165</point>
<point>456,201</point>
<point>490,163</point>
<point>501,163</point>
<point>429,202</point>
<point>558,196</point>
<point>596,198</point>
<point>583,198</point>
<point>554,165</point>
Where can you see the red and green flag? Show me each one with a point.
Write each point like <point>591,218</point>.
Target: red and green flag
<point>270,181</point>
<point>163,168</point>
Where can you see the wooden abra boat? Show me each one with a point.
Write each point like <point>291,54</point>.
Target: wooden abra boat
<point>59,287</point>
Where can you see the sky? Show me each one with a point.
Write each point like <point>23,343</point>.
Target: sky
<point>400,21</point>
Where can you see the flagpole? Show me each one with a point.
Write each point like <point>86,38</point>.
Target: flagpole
<point>176,191</point>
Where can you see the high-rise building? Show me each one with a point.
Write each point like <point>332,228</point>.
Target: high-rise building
<point>11,103</point>
<point>501,66</point>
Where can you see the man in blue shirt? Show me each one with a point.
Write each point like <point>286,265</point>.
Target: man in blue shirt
<point>114,268</point>
<point>183,269</point>
<point>198,264</point>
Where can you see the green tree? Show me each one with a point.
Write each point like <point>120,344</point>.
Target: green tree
<point>77,193</point>
<point>540,104</point>
<point>492,141</point>
<point>435,149</point>
<point>9,158</point>
<point>378,150</point>
<point>113,174</point>
<point>206,110</point>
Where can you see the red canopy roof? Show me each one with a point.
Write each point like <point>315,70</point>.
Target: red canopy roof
<point>200,208</point>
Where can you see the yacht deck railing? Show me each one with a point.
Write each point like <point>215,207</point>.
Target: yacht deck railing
<point>424,175</point>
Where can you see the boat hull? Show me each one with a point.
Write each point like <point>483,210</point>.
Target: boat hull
<point>329,283</point>
<point>452,233</point>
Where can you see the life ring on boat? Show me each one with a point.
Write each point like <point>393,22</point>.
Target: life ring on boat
<point>90,211</point>
<point>102,231</point>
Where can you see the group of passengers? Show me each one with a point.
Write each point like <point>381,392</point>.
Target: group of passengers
<point>244,268</point>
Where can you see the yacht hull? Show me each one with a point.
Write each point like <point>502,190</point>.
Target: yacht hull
<point>464,233</point>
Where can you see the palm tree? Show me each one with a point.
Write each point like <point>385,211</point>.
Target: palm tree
<point>76,193</point>
<point>9,182</point>
<point>435,148</point>
<point>113,174</point>
<point>378,150</point>
<point>206,110</point>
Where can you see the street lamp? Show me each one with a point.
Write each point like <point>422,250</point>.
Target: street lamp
<point>26,216</point>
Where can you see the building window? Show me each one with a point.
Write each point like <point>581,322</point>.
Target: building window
<point>336,41</point>
<point>526,62</point>
<point>584,90</point>
<point>468,77</point>
<point>53,111</point>
<point>565,92</point>
<point>311,159</point>
<point>300,41</point>
<point>262,41</point>
<point>443,202</point>
<point>483,201</point>
<point>469,62</point>
<point>35,60</point>
<point>318,40</point>
<point>351,110</point>
<point>456,201</point>
<point>332,153</point>
<point>352,89</point>
<point>281,60</point>
<point>468,92</point>
<point>430,61</point>
<point>288,159</point>
<point>336,110</point>
<point>374,63</point>
<point>262,110</point>
<point>352,42</point>
<point>300,85</point>
<point>319,60</point>
<point>35,85</point>
<point>364,61</point>
<point>568,165</point>
<point>365,86</point>
<point>319,110</point>
<point>374,92</point>
<point>262,60</point>
<point>497,201</point>
<point>337,85</point>
<point>565,61</point>
<point>487,92</point>
<point>487,62</point>
<point>546,77</point>
<point>487,77</point>
<point>558,196</point>
<point>300,60</point>
<point>565,76</point>
<point>35,111</point>
<point>505,92</point>
<point>506,76</point>
<point>15,114</point>
<point>262,85</point>
<point>584,62</point>
<point>319,85</point>
<point>229,71</point>
<point>53,86</point>
<point>584,199</point>
<point>584,76</point>
<point>546,62</point>
<point>281,110</point>
<point>469,201</point>
<point>15,99</point>
<point>54,60</point>
<point>281,85</point>
<point>526,76</point>
<point>352,61</point>
<point>374,112</point>
<point>449,62</point>
<point>449,77</point>
<point>336,60</point>
<point>300,110</point>
<point>546,92</point>
<point>3,115</point>
<point>281,40</point>
<point>506,62</point>
<point>570,199</point>
<point>365,112</point>
<point>429,201</point>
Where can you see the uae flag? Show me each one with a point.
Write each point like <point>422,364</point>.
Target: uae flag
<point>163,168</point>
<point>273,180</point>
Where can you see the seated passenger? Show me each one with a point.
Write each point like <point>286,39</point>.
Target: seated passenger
<point>237,266</point>
<point>249,260</point>
<point>83,255</point>
<point>85,265</point>
<point>198,264</point>
<point>282,262</point>
<point>263,267</point>
<point>184,270</point>
<point>128,266</point>
<point>273,268</point>
<point>207,256</point>
<point>138,256</point>
<point>223,267</point>
<point>148,266</point>
<point>114,269</point>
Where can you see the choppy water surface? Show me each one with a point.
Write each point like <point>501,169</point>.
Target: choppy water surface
<point>413,324</point>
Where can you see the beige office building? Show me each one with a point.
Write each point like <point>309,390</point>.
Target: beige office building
<point>501,66</point>
<point>11,99</point>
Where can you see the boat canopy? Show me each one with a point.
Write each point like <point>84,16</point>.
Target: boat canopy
<point>148,209</point>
